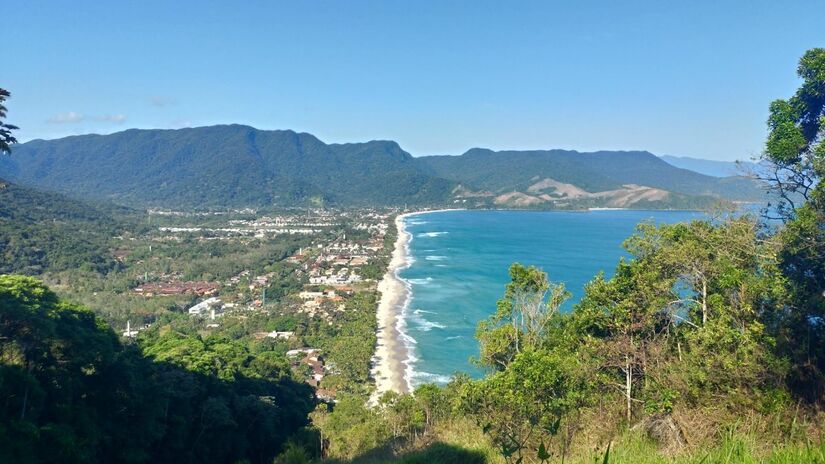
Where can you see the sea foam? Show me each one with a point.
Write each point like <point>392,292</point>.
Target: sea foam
<point>432,234</point>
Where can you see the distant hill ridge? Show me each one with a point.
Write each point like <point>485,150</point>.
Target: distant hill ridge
<point>711,167</point>
<point>237,166</point>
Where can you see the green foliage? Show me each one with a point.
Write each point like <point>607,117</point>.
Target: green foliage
<point>523,406</point>
<point>350,342</point>
<point>224,166</point>
<point>795,150</point>
<point>293,454</point>
<point>691,317</point>
<point>522,317</point>
<point>6,138</point>
<point>48,232</point>
<point>73,393</point>
<point>352,428</point>
<point>441,453</point>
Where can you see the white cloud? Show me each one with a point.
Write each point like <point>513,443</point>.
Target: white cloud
<point>73,117</point>
<point>66,118</point>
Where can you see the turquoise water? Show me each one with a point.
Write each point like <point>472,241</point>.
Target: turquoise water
<point>460,262</point>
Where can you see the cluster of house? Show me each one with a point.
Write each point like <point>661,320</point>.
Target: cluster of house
<point>161,212</point>
<point>240,232</point>
<point>301,223</point>
<point>177,288</point>
<point>336,263</point>
<point>341,276</point>
<point>323,303</point>
<point>331,268</point>
<point>286,221</point>
<point>374,227</point>
<point>255,282</point>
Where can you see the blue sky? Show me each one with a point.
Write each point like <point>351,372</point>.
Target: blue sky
<point>684,78</point>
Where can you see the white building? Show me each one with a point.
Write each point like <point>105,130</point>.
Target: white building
<point>205,307</point>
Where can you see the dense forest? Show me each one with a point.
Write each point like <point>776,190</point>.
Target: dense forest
<point>706,344</point>
<point>42,231</point>
<point>72,392</point>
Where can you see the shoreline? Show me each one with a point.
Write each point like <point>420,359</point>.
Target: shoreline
<point>391,367</point>
<point>393,360</point>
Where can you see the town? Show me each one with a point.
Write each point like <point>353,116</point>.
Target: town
<point>289,281</point>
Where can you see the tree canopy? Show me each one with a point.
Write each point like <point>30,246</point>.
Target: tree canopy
<point>6,137</point>
<point>72,392</point>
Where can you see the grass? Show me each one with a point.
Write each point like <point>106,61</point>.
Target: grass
<point>734,449</point>
<point>461,441</point>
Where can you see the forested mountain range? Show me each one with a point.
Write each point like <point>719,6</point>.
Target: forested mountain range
<point>237,166</point>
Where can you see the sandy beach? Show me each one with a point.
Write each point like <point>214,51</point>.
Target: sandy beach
<point>389,368</point>
<point>390,351</point>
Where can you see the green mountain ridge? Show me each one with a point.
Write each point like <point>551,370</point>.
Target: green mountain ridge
<point>239,166</point>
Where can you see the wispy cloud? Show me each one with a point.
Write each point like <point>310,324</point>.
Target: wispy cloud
<point>73,117</point>
<point>161,101</point>
<point>70,117</point>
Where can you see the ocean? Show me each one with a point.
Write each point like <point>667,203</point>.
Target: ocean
<point>459,263</point>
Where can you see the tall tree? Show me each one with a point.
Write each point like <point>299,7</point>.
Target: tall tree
<point>6,139</point>
<point>795,149</point>
<point>524,314</point>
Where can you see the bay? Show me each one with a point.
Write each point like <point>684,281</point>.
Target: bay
<point>459,268</point>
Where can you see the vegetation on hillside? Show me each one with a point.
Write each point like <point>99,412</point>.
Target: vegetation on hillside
<point>223,167</point>
<point>238,166</point>
<point>504,171</point>
<point>42,231</point>
<point>707,344</point>
<point>72,392</point>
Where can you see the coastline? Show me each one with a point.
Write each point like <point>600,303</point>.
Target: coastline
<point>391,362</point>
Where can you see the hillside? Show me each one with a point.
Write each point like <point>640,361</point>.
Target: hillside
<point>617,179</point>
<point>48,232</point>
<point>222,166</point>
<point>238,166</point>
